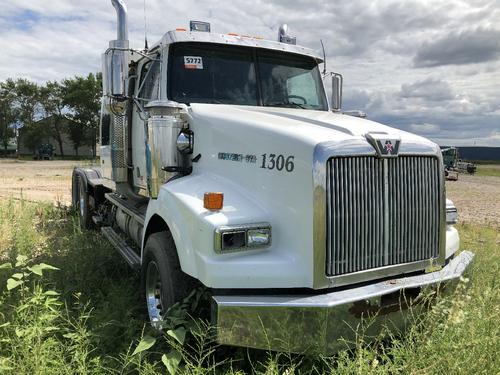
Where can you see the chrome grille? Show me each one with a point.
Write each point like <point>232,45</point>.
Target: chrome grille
<point>381,212</point>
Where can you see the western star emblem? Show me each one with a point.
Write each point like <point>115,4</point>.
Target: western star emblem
<point>386,147</point>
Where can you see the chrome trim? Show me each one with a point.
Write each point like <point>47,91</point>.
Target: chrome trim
<point>239,228</point>
<point>283,36</point>
<point>154,303</point>
<point>315,323</point>
<point>119,149</point>
<point>360,147</point>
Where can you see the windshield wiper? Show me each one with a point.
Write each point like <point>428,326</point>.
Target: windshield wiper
<point>286,105</point>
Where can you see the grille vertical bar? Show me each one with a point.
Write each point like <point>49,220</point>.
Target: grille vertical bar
<point>381,212</point>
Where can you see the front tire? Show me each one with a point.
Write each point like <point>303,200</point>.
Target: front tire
<point>80,202</point>
<point>163,280</point>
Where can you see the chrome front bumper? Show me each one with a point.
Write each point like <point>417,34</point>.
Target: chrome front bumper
<point>318,323</point>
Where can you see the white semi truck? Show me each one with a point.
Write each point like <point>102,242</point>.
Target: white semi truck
<point>223,163</point>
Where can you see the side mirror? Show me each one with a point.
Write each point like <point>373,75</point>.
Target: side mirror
<point>336,91</point>
<point>114,73</point>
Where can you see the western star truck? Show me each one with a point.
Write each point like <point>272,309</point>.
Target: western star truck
<point>224,163</point>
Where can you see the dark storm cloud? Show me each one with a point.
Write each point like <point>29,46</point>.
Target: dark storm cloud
<point>465,47</point>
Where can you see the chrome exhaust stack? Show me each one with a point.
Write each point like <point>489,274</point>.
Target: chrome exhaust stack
<point>115,59</point>
<point>122,24</point>
<point>115,68</point>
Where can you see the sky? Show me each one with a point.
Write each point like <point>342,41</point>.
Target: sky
<point>428,67</point>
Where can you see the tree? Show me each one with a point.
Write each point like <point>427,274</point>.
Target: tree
<point>25,101</point>
<point>82,95</point>
<point>34,134</point>
<point>52,102</point>
<point>7,119</point>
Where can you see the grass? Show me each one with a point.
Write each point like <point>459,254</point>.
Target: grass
<point>488,170</point>
<point>87,316</point>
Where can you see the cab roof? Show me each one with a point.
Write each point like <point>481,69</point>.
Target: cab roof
<point>177,36</point>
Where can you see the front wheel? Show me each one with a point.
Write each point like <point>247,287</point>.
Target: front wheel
<point>80,198</point>
<point>163,280</point>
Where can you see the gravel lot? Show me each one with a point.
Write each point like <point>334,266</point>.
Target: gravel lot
<point>48,180</point>
<point>476,197</point>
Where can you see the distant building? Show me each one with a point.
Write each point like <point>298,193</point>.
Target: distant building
<point>11,148</point>
<point>30,146</point>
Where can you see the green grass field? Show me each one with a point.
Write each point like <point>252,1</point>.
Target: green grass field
<point>488,170</point>
<point>87,316</point>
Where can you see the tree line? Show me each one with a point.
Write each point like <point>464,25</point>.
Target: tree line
<point>67,108</point>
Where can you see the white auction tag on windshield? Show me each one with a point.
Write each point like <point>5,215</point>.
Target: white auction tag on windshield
<point>193,62</point>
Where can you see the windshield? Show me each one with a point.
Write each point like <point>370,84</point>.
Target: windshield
<point>208,73</point>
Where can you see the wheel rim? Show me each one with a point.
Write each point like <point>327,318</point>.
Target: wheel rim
<point>82,199</point>
<point>153,295</point>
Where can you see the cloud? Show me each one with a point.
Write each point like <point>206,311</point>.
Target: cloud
<point>465,47</point>
<point>428,129</point>
<point>429,89</point>
<point>376,45</point>
<point>445,117</point>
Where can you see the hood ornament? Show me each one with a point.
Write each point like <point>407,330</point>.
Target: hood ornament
<point>385,145</point>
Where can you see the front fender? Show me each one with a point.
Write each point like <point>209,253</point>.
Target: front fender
<point>180,205</point>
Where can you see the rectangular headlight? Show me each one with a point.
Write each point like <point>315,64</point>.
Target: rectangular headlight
<point>242,237</point>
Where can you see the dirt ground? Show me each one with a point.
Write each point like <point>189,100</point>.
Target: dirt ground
<point>48,180</point>
<point>476,197</point>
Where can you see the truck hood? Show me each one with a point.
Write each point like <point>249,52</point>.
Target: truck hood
<point>308,125</point>
<point>270,164</point>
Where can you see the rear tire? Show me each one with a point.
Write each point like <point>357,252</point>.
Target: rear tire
<point>163,281</point>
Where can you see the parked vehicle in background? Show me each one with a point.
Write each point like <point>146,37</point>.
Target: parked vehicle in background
<point>450,157</point>
<point>466,167</point>
<point>44,152</point>
<point>223,163</point>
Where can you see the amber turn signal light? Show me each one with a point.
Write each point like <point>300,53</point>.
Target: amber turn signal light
<point>213,201</point>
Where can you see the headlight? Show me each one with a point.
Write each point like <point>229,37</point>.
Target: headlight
<point>258,237</point>
<point>242,237</point>
<point>451,213</point>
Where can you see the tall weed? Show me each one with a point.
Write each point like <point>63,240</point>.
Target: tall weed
<point>88,316</point>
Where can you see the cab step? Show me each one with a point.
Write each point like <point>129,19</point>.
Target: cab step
<point>125,250</point>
